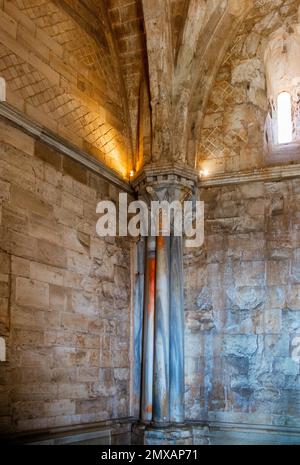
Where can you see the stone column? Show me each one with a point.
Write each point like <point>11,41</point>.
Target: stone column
<point>161,401</point>
<point>138,294</point>
<point>176,332</point>
<point>164,308</point>
<point>148,334</point>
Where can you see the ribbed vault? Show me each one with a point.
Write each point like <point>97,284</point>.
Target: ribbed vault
<point>168,54</point>
<point>126,80</point>
<point>175,47</point>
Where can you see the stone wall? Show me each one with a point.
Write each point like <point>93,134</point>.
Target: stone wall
<point>64,293</point>
<point>60,62</point>
<point>232,137</point>
<point>242,296</point>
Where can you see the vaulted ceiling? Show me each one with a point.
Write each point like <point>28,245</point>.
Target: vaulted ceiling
<point>126,80</point>
<point>175,48</point>
<point>171,46</point>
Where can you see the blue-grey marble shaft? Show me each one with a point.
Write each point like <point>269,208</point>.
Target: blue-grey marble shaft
<point>176,332</point>
<point>161,407</point>
<point>138,324</point>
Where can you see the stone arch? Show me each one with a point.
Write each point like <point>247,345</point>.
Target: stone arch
<point>229,133</point>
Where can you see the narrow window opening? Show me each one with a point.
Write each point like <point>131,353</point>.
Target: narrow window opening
<point>285,123</point>
<point>2,89</point>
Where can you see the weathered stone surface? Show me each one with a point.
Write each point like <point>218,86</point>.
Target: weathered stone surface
<point>249,282</point>
<point>48,155</point>
<point>245,298</point>
<point>232,136</point>
<point>203,318</point>
<point>240,345</point>
<point>65,294</point>
<point>31,293</point>
<point>64,314</point>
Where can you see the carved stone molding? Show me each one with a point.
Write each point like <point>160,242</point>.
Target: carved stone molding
<point>270,174</point>
<point>58,143</point>
<point>162,177</point>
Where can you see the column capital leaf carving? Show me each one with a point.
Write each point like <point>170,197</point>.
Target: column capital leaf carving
<point>166,181</point>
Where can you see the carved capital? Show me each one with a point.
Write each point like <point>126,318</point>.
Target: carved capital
<point>166,181</point>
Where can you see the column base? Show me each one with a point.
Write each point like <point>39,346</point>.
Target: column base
<point>216,433</point>
<point>160,435</point>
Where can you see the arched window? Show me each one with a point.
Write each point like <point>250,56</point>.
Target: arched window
<point>285,123</point>
<point>282,65</point>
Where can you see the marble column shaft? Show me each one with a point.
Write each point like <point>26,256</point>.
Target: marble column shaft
<point>163,383</point>
<point>176,332</point>
<point>148,336</point>
<point>161,403</point>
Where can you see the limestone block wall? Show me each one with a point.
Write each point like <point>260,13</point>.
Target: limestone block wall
<point>232,135</point>
<point>64,293</point>
<point>242,297</point>
<point>61,67</point>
